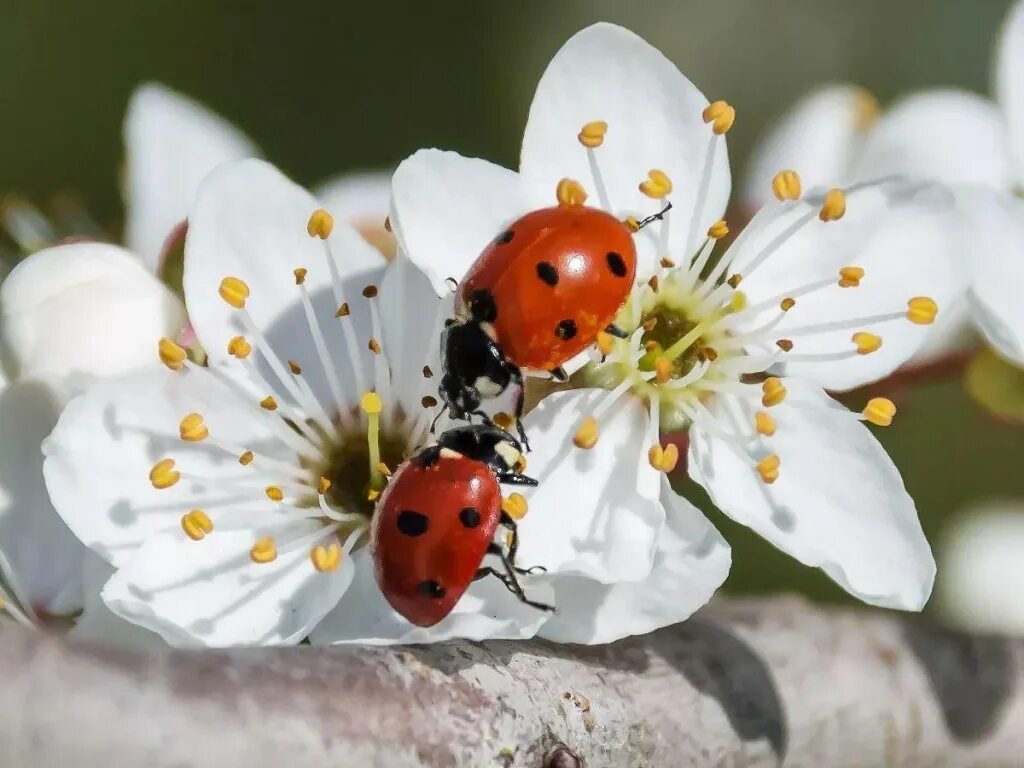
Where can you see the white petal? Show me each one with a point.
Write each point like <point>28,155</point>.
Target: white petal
<point>838,504</point>
<point>98,624</point>
<point>596,512</point>
<point>83,310</point>
<point>171,142</point>
<point>949,136</point>
<point>445,208</point>
<point>817,137</point>
<point>44,554</point>
<point>909,240</point>
<point>690,563</point>
<point>487,611</point>
<point>654,121</point>
<point>210,593</point>
<point>1009,85</point>
<point>362,198</point>
<point>249,222</point>
<point>99,456</point>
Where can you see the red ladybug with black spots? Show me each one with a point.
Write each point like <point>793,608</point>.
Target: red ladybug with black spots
<point>537,295</point>
<point>436,522</point>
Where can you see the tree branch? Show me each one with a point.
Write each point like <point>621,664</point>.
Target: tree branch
<point>743,683</point>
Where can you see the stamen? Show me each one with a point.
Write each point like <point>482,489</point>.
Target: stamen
<point>515,506</point>
<point>879,411</point>
<point>921,310</point>
<point>372,406</point>
<point>263,551</point>
<point>570,194</point>
<point>784,344</point>
<point>764,424</point>
<point>721,116</point>
<point>239,348</point>
<point>786,185</point>
<point>605,343</point>
<point>274,493</point>
<point>773,392</point>
<point>320,224</point>
<point>193,429</point>
<point>381,366</point>
<point>196,524</point>
<point>326,559</point>
<point>172,355</point>
<point>268,403</point>
<point>850,277</point>
<point>588,431</point>
<point>163,474</point>
<point>834,207</point>
<point>718,230</point>
<point>866,342</point>
<point>591,136</point>
<point>347,329</point>
<point>657,184</point>
<point>768,468</point>
<point>246,458</point>
<point>663,458</point>
<point>234,291</point>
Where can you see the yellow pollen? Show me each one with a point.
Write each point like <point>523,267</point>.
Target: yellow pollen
<point>326,559</point>
<point>300,275</point>
<point>239,347</point>
<point>866,342</point>
<point>323,486</point>
<point>764,424</point>
<point>605,343</point>
<point>666,262</point>
<point>343,311</point>
<point>263,551</point>
<point>587,433</point>
<point>921,310</point>
<point>662,369</point>
<point>371,403</point>
<point>850,277</point>
<point>520,466</point>
<point>653,283</point>
<point>773,392</point>
<point>193,429</point>
<point>786,185</point>
<point>294,367</point>
<point>320,224</point>
<point>503,420</point>
<point>834,206</point>
<point>738,301</point>
<point>372,494</point>
<point>196,524</point>
<point>592,134</point>
<point>246,458</point>
<point>163,474</point>
<point>721,115</point>
<point>370,291</point>
<point>570,194</point>
<point>374,346</point>
<point>234,291</point>
<point>735,280</point>
<point>880,411</point>
<point>384,469</point>
<point>768,468</point>
<point>172,355</point>
<point>657,185</point>
<point>718,230</point>
<point>268,403</point>
<point>784,344</point>
<point>787,304</point>
<point>274,493</point>
<point>663,458</point>
<point>428,401</point>
<point>632,224</point>
<point>514,505</point>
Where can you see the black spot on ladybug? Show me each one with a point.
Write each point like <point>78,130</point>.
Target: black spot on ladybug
<point>412,523</point>
<point>505,237</point>
<point>430,588</point>
<point>482,306</point>
<point>469,517</point>
<point>566,329</point>
<point>616,264</point>
<point>546,271</point>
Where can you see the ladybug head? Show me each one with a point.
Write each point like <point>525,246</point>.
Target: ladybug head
<point>461,397</point>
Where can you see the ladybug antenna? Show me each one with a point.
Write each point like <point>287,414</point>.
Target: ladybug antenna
<point>440,413</point>
<point>654,217</point>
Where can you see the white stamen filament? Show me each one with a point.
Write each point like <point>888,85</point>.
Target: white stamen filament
<point>381,368</point>
<point>351,343</point>
<point>702,193</point>
<point>326,360</point>
<point>287,410</point>
<point>599,186</point>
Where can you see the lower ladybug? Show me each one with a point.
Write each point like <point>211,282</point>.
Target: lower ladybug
<point>436,521</point>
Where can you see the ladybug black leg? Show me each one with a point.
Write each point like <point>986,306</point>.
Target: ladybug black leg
<point>511,478</point>
<point>512,584</point>
<point>440,413</point>
<point>517,379</point>
<point>654,217</point>
<point>559,374</point>
<point>614,330</point>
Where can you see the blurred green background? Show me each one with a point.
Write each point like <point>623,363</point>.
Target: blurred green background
<point>327,87</point>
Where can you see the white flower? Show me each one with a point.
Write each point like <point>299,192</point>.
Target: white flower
<point>736,353</point>
<point>838,135</point>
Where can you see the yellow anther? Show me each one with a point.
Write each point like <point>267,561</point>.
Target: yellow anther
<point>764,424</point>
<point>587,433</point>
<point>163,474</point>
<point>295,368</point>
<point>768,468</point>
<point>735,280</point>
<point>326,559</point>
<point>372,494</point>
<point>274,493</point>
<point>921,310</point>
<point>371,403</point>
<point>653,283</point>
<point>657,184</point>
<point>786,185</point>
<point>503,420</point>
<point>370,291</point>
<point>384,469</point>
<point>520,466</point>
<point>866,342</point>
<point>373,345</point>
<point>300,275</point>
<point>514,505</point>
<point>193,429</point>
<point>263,551</point>
<point>239,347</point>
<point>787,304</point>
<point>632,224</point>
<point>592,134</point>
<point>320,224</point>
<point>234,291</point>
<point>662,369</point>
<point>666,262</point>
<point>172,355</point>
<point>663,458</point>
<point>867,110</point>
<point>196,524</point>
<point>428,401</point>
<point>323,486</point>
<point>721,115</point>
<point>850,277</point>
<point>268,403</point>
<point>605,343</point>
<point>786,345</point>
<point>570,194</point>
<point>710,353</point>
<point>834,206</point>
<point>246,458</point>
<point>427,373</point>
<point>343,311</point>
<point>738,301</point>
<point>880,411</point>
<point>773,392</point>
<point>718,230</point>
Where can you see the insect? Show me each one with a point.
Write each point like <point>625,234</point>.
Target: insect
<point>537,295</point>
<point>436,521</point>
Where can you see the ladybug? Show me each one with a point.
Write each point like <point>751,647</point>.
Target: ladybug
<point>436,521</point>
<point>537,295</point>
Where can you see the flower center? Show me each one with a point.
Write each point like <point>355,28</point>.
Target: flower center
<point>354,467</point>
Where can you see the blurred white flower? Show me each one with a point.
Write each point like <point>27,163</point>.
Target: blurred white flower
<point>838,135</point>
<point>737,353</point>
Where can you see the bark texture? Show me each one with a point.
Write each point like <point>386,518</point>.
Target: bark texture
<point>743,683</point>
